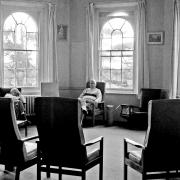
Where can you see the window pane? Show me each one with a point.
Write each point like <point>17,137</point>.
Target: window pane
<point>9,62</point>
<point>106,44</point>
<point>21,59</point>
<point>32,39</point>
<point>115,63</point>
<point>127,30</point>
<point>9,24</point>
<point>127,76</point>
<point>9,77</point>
<point>106,31</point>
<point>31,25</point>
<point>117,40</point>
<point>8,40</point>
<point>31,77</point>
<point>116,23</point>
<point>20,37</point>
<point>116,53</point>
<point>32,59</point>
<point>106,63</point>
<point>20,17</point>
<point>128,43</point>
<point>105,53</point>
<point>20,77</point>
<point>127,53</point>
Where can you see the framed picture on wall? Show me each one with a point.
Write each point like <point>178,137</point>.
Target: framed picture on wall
<point>155,37</point>
<point>61,32</point>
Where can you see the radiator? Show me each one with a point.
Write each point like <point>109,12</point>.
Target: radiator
<point>30,105</point>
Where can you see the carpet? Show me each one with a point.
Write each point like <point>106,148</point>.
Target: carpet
<point>113,155</point>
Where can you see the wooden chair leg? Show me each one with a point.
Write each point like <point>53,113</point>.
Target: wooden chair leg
<point>83,175</point>
<point>38,172</point>
<point>60,174</point>
<point>125,171</point>
<point>101,170</point>
<point>17,174</point>
<point>48,174</point>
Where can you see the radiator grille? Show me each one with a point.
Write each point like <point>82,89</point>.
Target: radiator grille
<point>30,105</point>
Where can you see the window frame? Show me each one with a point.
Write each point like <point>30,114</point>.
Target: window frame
<point>15,50</point>
<point>102,14</point>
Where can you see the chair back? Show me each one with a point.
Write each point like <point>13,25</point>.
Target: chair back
<point>50,89</point>
<point>99,85</point>
<point>4,91</point>
<point>60,132</point>
<point>9,132</point>
<point>162,140</point>
<point>146,95</point>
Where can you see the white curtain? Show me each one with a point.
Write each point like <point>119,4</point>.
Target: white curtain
<point>143,64</point>
<point>175,91</point>
<point>90,19</point>
<point>48,46</point>
<point>142,71</point>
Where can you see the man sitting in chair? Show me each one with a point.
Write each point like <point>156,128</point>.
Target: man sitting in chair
<point>90,96</point>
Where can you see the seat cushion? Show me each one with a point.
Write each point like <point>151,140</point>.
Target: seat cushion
<point>135,156</point>
<point>30,150</point>
<point>93,154</point>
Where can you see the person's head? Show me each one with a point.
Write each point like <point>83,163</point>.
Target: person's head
<point>92,83</point>
<point>14,92</point>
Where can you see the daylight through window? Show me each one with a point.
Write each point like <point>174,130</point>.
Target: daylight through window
<point>116,54</point>
<point>20,49</point>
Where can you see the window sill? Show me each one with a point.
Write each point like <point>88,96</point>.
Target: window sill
<point>120,92</point>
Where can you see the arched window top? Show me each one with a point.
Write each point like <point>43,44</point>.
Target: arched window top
<point>20,18</point>
<point>117,24</point>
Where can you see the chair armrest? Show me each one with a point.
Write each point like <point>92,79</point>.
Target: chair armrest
<point>29,138</point>
<point>129,141</point>
<point>94,141</point>
<point>129,106</point>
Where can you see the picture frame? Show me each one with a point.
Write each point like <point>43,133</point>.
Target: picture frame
<point>61,32</point>
<point>155,38</point>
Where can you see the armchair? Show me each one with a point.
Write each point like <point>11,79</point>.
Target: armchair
<point>63,149</point>
<point>15,151</point>
<point>100,109</point>
<point>22,123</point>
<point>159,156</point>
<point>138,115</point>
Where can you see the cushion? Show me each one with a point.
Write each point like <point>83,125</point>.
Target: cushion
<point>135,156</point>
<point>93,155</point>
<point>30,150</point>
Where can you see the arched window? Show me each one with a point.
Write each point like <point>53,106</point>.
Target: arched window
<point>116,54</point>
<point>20,51</point>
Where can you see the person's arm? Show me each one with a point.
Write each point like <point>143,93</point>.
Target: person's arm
<point>22,98</point>
<point>99,96</point>
<point>82,94</point>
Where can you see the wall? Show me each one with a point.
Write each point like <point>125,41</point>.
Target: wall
<point>72,53</point>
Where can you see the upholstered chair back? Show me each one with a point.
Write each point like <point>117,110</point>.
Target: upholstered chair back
<point>60,132</point>
<point>162,141</point>
<point>146,95</point>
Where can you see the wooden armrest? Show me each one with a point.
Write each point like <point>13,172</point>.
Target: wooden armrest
<point>129,141</point>
<point>94,141</point>
<point>29,138</point>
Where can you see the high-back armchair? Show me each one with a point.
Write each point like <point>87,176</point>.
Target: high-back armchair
<point>138,115</point>
<point>62,142</point>
<point>100,109</point>
<point>15,151</point>
<point>159,156</point>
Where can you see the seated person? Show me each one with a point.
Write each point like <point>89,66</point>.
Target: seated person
<point>19,101</point>
<point>90,97</point>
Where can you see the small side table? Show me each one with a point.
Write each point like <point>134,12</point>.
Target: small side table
<point>109,114</point>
